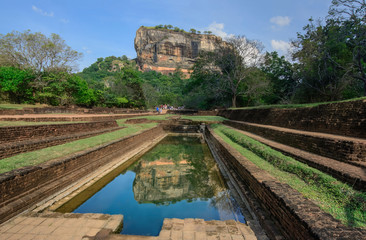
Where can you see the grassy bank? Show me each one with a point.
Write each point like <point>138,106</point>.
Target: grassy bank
<point>162,117</point>
<point>46,154</point>
<point>305,105</point>
<point>331,195</point>
<point>21,106</point>
<point>204,118</point>
<point>158,117</point>
<point>24,123</point>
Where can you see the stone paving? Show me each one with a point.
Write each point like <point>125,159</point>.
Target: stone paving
<point>198,229</point>
<point>74,226</point>
<point>189,228</point>
<point>59,226</point>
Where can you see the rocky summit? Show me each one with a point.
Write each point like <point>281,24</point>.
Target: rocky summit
<point>164,50</point>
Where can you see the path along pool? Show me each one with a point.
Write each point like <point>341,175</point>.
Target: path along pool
<point>178,178</point>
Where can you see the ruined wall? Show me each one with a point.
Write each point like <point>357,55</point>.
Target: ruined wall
<point>193,112</point>
<point>298,217</point>
<point>21,133</point>
<point>344,149</point>
<point>25,186</point>
<point>76,110</point>
<point>344,118</point>
<point>79,118</point>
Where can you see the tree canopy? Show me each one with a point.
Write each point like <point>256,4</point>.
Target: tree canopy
<point>35,51</point>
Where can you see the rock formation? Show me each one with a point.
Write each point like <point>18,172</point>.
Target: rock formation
<point>164,50</point>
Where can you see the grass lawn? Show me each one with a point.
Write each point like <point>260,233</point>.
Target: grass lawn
<point>160,117</point>
<point>24,123</point>
<point>337,198</point>
<point>204,118</point>
<point>46,154</point>
<point>305,105</point>
<point>20,106</point>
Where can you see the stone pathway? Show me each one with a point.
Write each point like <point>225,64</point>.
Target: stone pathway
<point>199,229</point>
<point>74,226</point>
<point>59,226</point>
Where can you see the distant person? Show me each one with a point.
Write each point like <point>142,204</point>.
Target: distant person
<point>157,109</point>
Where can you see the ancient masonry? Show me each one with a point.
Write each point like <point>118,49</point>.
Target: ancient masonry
<point>329,137</point>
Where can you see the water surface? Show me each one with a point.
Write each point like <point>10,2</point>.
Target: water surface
<point>176,179</point>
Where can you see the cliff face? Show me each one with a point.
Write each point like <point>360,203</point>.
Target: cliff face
<point>165,50</point>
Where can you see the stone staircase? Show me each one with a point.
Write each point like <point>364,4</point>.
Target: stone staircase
<point>342,157</point>
<point>13,148</point>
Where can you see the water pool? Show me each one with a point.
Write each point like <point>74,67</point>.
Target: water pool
<point>178,178</point>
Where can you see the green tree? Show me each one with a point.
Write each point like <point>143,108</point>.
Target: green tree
<point>233,65</point>
<point>35,51</point>
<point>281,74</point>
<point>192,30</point>
<point>15,85</point>
<point>324,63</point>
<point>350,18</point>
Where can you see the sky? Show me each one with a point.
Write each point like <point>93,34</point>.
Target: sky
<point>108,27</point>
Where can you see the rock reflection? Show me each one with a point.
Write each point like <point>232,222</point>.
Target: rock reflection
<point>173,172</point>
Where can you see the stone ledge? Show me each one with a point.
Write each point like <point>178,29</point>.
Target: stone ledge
<point>298,217</point>
<point>22,187</point>
<point>22,133</point>
<point>11,149</point>
<point>345,149</point>
<point>353,175</point>
<point>342,118</point>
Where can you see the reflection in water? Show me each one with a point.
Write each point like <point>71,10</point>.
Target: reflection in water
<point>178,178</point>
<point>173,172</point>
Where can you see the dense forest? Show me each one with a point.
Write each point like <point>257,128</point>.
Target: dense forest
<point>328,63</point>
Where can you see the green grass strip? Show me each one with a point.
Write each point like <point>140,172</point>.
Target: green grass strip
<point>20,106</point>
<point>46,154</point>
<point>337,198</point>
<point>205,118</point>
<point>24,123</point>
<point>305,105</point>
<point>157,117</point>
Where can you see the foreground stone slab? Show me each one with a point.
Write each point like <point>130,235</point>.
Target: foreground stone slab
<point>75,226</point>
<point>197,229</point>
<point>69,226</point>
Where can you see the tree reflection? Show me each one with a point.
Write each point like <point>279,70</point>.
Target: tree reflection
<point>177,169</point>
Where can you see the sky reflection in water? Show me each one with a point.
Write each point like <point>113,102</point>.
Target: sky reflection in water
<point>176,179</point>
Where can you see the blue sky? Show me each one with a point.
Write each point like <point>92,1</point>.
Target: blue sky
<point>107,27</point>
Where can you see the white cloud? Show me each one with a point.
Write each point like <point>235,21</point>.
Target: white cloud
<point>40,11</point>
<point>280,45</point>
<point>218,30</point>
<point>63,20</point>
<point>281,21</point>
<point>87,50</point>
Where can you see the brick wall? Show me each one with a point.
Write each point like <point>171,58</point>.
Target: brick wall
<point>22,187</point>
<point>345,118</point>
<point>193,112</point>
<point>85,117</point>
<point>339,148</point>
<point>76,110</point>
<point>21,133</point>
<point>298,217</point>
<point>11,149</point>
